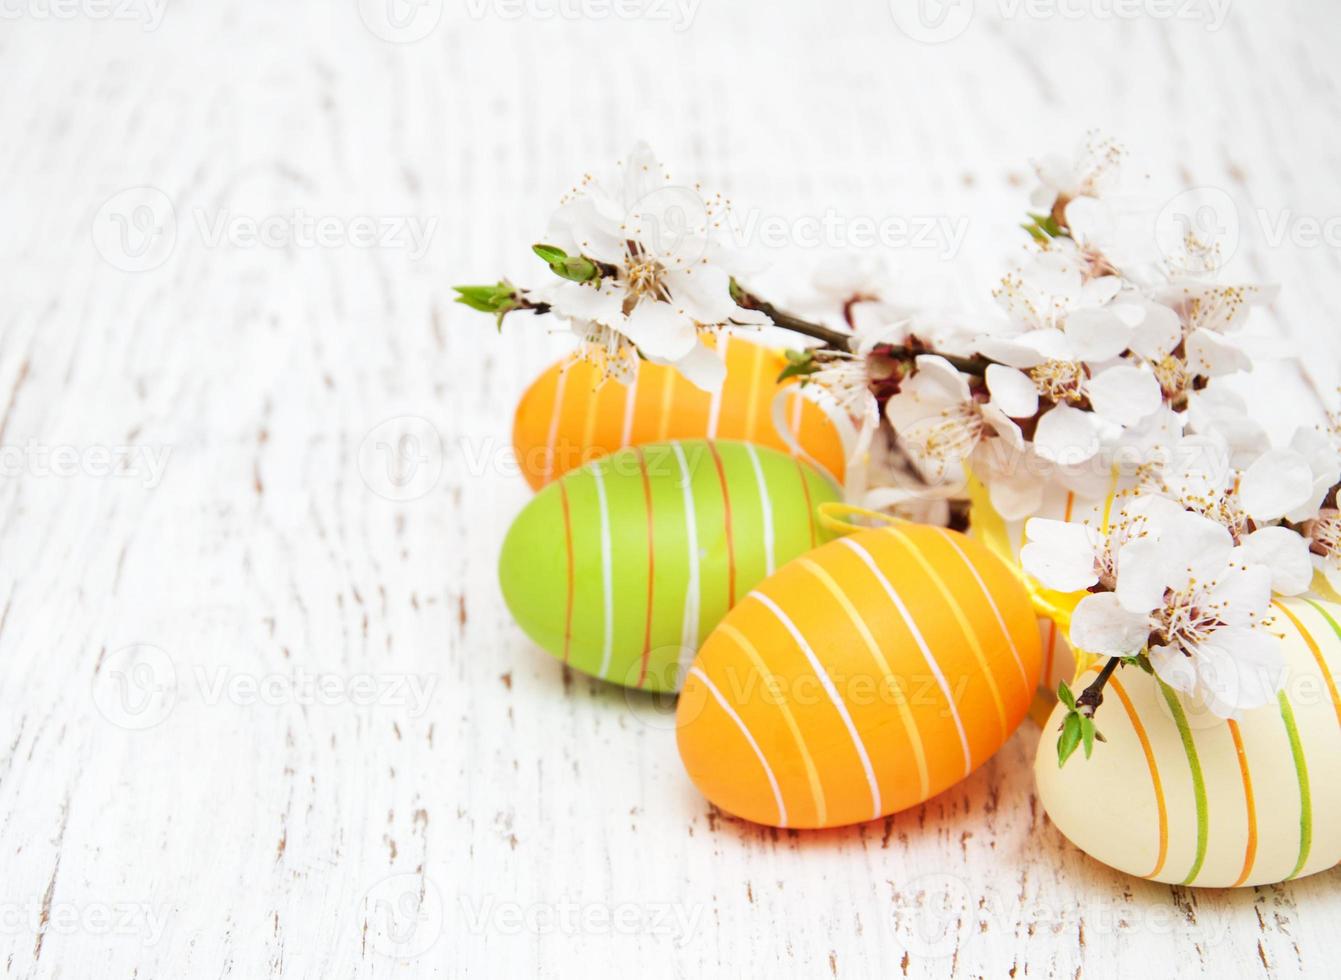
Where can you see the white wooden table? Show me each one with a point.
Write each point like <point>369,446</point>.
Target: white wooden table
<point>262,711</point>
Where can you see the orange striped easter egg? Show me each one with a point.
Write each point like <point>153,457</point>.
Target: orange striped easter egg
<point>568,417</point>
<point>860,679</point>
<point>1177,795</point>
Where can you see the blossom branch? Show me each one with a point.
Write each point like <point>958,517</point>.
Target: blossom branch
<point>841,340</point>
<point>1093,695</point>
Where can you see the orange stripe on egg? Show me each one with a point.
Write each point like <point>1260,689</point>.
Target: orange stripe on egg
<point>1161,805</point>
<point>1317,655</point>
<point>810,507</point>
<point>726,511</point>
<point>1250,853</point>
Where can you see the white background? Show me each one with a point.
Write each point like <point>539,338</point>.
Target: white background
<point>173,799</point>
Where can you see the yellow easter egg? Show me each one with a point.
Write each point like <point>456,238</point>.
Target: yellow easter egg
<point>859,679</point>
<point>1180,796</point>
<point>568,418</point>
<point>1007,538</point>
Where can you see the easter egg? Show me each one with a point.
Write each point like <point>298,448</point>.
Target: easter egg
<point>620,568</point>
<point>1180,796</point>
<point>860,679</point>
<point>568,418</point>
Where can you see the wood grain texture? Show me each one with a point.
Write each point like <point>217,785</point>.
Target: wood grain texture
<point>509,819</point>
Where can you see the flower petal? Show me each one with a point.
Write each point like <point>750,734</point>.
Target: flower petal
<point>703,292</point>
<point>1242,593</point>
<point>1142,577</point>
<point>660,331</point>
<point>1012,391</point>
<point>1158,334</point>
<point>1066,435</point>
<point>1210,354</point>
<point>1124,394</point>
<point>1060,555</point>
<point>703,367</point>
<point>1097,334</point>
<point>1100,625</point>
<point>1238,669</point>
<point>1174,668</point>
<point>1285,553</point>
<point>1278,482</point>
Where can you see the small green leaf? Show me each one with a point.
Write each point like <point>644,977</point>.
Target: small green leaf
<point>1087,733</point>
<point>1042,227</point>
<point>1065,696</point>
<point>1070,738</point>
<point>550,253</point>
<point>800,363</point>
<point>498,298</point>
<point>576,268</point>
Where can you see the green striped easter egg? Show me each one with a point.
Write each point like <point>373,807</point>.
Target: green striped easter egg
<point>1179,796</point>
<point>622,567</point>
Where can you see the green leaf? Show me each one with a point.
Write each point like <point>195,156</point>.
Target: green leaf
<point>550,253</point>
<point>1087,733</point>
<point>800,363</point>
<point>1065,696</point>
<point>499,298</point>
<point>576,268</point>
<point>1070,738</point>
<point>1042,227</point>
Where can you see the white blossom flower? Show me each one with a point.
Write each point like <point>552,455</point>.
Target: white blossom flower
<point>1292,483</point>
<point>848,375</point>
<point>1199,607</point>
<point>1069,557</point>
<point>1199,476</point>
<point>1086,173</point>
<point>1212,315</point>
<point>1090,404</point>
<point>1052,287</point>
<point>1217,413</point>
<point>669,286</point>
<point>853,289</point>
<point>939,420</point>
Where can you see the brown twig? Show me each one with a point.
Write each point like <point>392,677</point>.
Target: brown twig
<point>1093,696</point>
